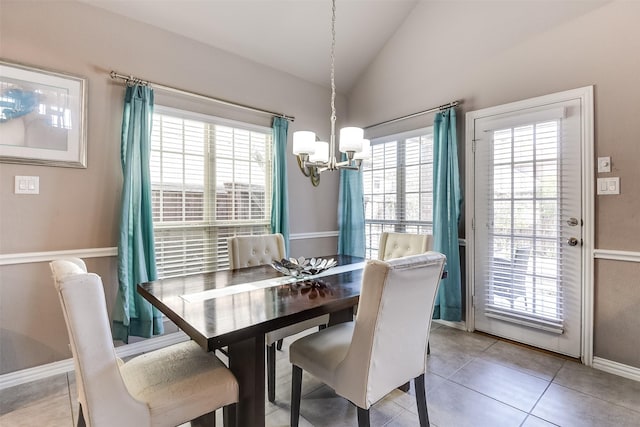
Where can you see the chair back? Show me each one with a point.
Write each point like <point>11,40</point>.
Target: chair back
<point>102,393</point>
<point>249,251</point>
<point>391,331</point>
<point>397,245</point>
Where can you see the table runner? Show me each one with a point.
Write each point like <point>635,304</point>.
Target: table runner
<point>260,284</point>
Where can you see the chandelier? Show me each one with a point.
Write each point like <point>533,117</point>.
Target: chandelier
<point>316,156</point>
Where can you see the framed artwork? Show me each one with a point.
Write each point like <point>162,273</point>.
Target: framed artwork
<point>42,117</point>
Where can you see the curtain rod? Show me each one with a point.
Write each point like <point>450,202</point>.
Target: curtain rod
<point>131,79</point>
<point>430,110</point>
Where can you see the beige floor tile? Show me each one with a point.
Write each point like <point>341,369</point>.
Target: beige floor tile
<point>452,405</point>
<point>44,402</point>
<point>602,385</point>
<point>532,421</point>
<point>569,408</point>
<point>25,395</point>
<point>506,385</point>
<point>532,362</point>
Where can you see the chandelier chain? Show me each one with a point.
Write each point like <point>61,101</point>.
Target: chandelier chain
<point>333,65</point>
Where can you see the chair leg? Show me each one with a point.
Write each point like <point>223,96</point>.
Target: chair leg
<point>81,422</point>
<point>421,400</point>
<point>296,392</point>
<point>279,345</point>
<point>405,387</point>
<point>206,420</point>
<point>363,417</point>
<point>230,415</point>
<point>428,348</point>
<point>271,372</point>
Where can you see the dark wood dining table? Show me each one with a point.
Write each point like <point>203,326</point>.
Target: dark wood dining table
<point>215,315</point>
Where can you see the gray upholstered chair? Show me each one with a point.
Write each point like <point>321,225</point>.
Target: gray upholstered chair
<point>166,387</point>
<point>248,251</point>
<point>360,360</point>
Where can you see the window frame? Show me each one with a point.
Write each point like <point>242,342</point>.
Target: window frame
<point>213,256</point>
<point>400,224</point>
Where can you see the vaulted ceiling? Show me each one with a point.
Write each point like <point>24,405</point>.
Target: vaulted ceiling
<point>289,35</point>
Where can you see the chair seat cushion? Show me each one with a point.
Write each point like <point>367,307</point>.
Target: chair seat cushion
<point>321,352</point>
<point>287,331</point>
<point>179,383</point>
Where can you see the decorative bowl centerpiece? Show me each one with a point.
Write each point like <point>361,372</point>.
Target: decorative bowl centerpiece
<point>303,267</point>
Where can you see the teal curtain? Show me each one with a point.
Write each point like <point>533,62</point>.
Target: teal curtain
<point>132,315</point>
<point>351,234</point>
<point>447,198</point>
<point>279,198</point>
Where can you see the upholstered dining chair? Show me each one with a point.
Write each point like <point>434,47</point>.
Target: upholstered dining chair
<point>166,387</point>
<point>360,360</point>
<point>248,251</point>
<point>395,245</point>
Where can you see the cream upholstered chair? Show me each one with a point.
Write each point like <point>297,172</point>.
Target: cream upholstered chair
<point>248,251</point>
<point>396,245</point>
<point>166,387</point>
<point>360,360</point>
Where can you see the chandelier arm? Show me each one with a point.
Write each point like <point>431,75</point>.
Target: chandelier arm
<point>315,177</point>
<point>304,168</point>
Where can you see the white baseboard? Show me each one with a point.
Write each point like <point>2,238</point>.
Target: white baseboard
<point>616,368</point>
<point>456,325</point>
<point>50,369</point>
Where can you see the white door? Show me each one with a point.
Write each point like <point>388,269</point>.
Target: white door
<point>527,223</point>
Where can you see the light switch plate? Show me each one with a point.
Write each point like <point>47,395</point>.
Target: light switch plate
<point>27,185</point>
<point>604,164</point>
<point>609,185</point>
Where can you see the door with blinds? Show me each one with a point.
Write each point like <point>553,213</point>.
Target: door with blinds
<point>527,224</point>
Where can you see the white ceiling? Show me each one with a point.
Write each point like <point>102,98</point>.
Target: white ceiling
<point>293,36</point>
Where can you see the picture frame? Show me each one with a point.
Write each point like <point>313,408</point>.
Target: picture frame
<point>42,116</point>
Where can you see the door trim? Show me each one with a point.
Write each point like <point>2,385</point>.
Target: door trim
<point>585,94</point>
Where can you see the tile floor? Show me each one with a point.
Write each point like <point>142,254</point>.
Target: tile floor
<point>472,380</point>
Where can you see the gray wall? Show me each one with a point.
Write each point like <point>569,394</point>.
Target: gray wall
<point>491,53</point>
<point>77,209</point>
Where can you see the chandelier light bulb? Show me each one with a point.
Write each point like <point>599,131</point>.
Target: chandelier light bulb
<point>321,152</point>
<point>351,139</point>
<point>304,142</point>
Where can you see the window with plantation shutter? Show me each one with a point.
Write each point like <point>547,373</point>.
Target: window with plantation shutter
<point>211,179</point>
<point>398,186</point>
<point>525,255</point>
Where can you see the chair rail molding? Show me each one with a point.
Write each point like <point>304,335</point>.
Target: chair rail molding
<point>313,235</point>
<point>614,255</point>
<point>33,257</point>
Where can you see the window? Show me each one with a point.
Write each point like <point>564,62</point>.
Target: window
<point>210,179</point>
<point>398,186</point>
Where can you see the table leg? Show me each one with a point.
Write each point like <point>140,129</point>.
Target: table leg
<point>246,361</point>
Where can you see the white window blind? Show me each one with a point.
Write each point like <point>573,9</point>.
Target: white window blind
<point>211,179</point>
<point>525,255</point>
<point>398,186</point>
